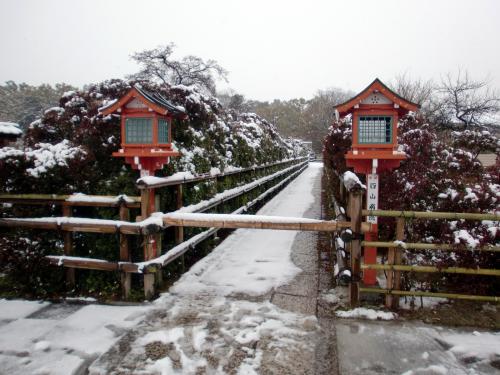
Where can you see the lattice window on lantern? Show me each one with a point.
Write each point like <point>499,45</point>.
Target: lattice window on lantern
<point>138,131</point>
<point>163,131</point>
<point>375,129</point>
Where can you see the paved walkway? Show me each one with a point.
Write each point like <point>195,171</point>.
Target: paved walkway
<point>249,307</point>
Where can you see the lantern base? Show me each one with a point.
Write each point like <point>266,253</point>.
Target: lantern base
<point>362,160</point>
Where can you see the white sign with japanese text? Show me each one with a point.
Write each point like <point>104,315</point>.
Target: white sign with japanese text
<point>372,196</point>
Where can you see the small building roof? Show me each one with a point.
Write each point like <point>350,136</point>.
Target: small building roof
<point>154,100</point>
<point>377,86</point>
<point>10,129</point>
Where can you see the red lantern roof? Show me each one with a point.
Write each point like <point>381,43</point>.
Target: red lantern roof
<point>377,87</point>
<point>153,100</point>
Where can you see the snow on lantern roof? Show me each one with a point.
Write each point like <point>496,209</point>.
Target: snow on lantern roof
<point>377,86</point>
<point>10,129</point>
<point>153,100</point>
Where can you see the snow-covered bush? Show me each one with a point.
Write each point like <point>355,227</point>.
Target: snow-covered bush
<point>436,176</point>
<point>69,150</point>
<point>72,143</point>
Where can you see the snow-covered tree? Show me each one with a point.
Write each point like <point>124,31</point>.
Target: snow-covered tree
<point>159,65</point>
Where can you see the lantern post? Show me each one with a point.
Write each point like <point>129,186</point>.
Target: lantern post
<point>146,139</point>
<point>375,113</point>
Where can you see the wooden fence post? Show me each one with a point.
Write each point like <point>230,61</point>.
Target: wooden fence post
<point>149,278</point>
<point>400,235</point>
<point>394,258</point>
<point>158,243</point>
<point>356,204</point>
<point>341,191</point>
<point>126,278</point>
<point>179,231</point>
<point>67,211</point>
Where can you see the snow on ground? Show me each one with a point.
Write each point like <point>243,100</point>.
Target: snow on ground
<point>42,338</point>
<point>217,318</point>
<point>10,128</point>
<point>479,345</point>
<point>412,348</point>
<point>254,261</point>
<point>364,313</point>
<point>200,325</point>
<point>15,309</point>
<point>411,303</point>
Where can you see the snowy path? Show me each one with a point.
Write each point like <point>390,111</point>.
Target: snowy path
<point>223,316</point>
<point>218,318</point>
<point>59,339</point>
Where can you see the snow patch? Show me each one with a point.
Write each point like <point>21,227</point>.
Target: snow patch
<point>362,312</point>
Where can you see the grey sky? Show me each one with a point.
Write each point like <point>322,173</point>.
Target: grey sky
<point>273,49</point>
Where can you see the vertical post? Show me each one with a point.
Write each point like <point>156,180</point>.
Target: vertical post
<point>370,253</point>
<point>126,279</point>
<point>356,200</point>
<point>149,279</point>
<point>342,191</point>
<point>179,231</point>
<point>157,240</point>
<point>400,235</point>
<point>67,211</point>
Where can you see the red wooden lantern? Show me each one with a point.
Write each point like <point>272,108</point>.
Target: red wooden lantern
<point>375,113</point>
<point>146,129</point>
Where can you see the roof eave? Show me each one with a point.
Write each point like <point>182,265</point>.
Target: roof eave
<point>348,106</point>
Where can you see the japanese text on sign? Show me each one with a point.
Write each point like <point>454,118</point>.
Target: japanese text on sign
<point>372,194</point>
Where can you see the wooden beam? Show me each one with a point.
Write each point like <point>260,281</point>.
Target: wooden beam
<point>428,246</point>
<point>431,294</point>
<point>207,176</point>
<point>49,199</point>
<point>356,204</point>
<point>433,215</point>
<point>125,277</point>
<point>91,226</point>
<point>252,222</point>
<point>179,230</point>
<point>75,262</point>
<point>395,257</point>
<point>432,269</point>
<point>148,243</point>
<point>68,247</point>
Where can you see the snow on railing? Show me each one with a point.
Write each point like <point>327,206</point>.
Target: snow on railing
<point>187,177</point>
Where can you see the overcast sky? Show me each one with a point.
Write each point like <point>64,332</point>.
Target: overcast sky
<point>272,49</point>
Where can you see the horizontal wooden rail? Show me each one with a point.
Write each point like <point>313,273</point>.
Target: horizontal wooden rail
<point>72,200</point>
<point>183,247</point>
<point>240,190</point>
<point>64,223</point>
<point>168,181</point>
<point>74,224</point>
<point>432,215</point>
<point>418,293</point>
<point>431,269</point>
<point>98,264</point>
<point>255,222</point>
<point>426,246</point>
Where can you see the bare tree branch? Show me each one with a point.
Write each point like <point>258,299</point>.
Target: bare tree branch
<point>158,64</point>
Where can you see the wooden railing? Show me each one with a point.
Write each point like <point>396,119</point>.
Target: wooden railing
<point>148,226</point>
<point>395,260</point>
